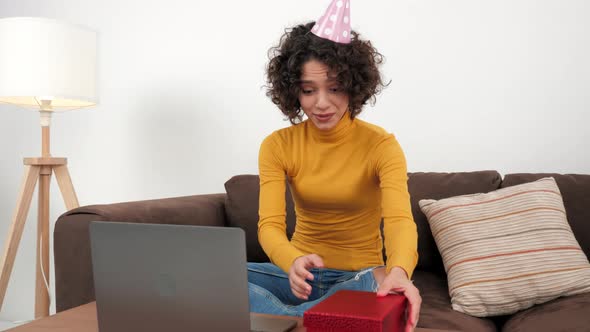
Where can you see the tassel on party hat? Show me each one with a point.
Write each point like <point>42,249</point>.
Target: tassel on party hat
<point>335,24</point>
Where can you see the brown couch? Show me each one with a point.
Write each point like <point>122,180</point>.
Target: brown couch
<point>239,208</point>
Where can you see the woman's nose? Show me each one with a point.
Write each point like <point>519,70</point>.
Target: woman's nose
<point>322,102</point>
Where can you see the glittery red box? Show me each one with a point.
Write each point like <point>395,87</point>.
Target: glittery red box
<point>356,311</point>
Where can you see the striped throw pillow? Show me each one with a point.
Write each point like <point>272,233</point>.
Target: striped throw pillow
<point>507,250</point>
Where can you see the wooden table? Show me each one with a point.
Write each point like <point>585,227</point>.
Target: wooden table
<point>83,319</point>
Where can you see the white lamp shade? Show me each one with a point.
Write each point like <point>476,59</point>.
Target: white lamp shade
<point>45,59</point>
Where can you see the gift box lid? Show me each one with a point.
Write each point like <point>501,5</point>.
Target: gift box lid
<point>356,305</point>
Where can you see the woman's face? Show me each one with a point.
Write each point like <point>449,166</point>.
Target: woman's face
<point>321,97</point>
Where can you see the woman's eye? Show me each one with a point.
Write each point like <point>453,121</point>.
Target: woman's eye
<point>306,92</point>
<point>335,89</point>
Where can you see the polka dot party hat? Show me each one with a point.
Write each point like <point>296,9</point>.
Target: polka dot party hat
<point>335,24</point>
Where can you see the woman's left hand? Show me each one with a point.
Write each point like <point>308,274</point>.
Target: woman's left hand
<point>397,281</point>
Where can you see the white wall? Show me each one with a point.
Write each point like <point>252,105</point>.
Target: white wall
<point>501,85</point>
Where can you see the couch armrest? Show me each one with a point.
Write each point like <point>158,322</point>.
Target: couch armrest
<point>74,284</point>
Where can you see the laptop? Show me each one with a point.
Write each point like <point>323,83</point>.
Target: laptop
<point>152,277</point>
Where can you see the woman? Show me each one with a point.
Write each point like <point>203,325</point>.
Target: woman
<point>345,175</point>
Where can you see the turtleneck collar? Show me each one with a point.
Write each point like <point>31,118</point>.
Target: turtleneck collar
<point>335,134</point>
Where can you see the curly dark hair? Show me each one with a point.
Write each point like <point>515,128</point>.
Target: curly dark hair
<point>354,65</point>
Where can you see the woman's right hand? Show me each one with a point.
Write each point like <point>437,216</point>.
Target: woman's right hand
<point>299,272</point>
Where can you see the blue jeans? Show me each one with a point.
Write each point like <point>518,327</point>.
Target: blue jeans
<point>270,292</point>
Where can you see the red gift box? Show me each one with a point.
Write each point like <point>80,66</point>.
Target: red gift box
<point>356,311</point>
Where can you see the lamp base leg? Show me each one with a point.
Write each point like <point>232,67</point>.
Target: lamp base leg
<point>36,169</point>
<point>42,275</point>
<point>16,229</point>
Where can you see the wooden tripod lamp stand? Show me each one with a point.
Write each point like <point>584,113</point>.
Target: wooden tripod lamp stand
<point>49,66</point>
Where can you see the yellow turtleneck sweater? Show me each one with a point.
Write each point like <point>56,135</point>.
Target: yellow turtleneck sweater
<point>343,181</point>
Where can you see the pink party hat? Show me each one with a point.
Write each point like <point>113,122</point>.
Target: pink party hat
<point>335,24</point>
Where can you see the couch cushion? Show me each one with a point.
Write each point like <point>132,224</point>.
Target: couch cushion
<point>575,190</point>
<point>565,314</point>
<point>509,249</point>
<point>241,209</point>
<point>436,311</point>
<point>437,186</point>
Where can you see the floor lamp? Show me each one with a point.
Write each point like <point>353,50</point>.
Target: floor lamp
<point>49,66</point>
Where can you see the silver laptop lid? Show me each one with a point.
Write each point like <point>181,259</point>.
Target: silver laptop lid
<point>152,277</point>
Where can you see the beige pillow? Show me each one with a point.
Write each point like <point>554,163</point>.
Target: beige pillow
<point>507,250</point>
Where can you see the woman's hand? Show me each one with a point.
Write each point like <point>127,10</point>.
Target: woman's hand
<point>397,281</point>
<point>299,272</point>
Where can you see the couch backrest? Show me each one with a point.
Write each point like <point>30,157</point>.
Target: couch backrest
<point>241,207</point>
<point>241,210</point>
<point>575,190</point>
